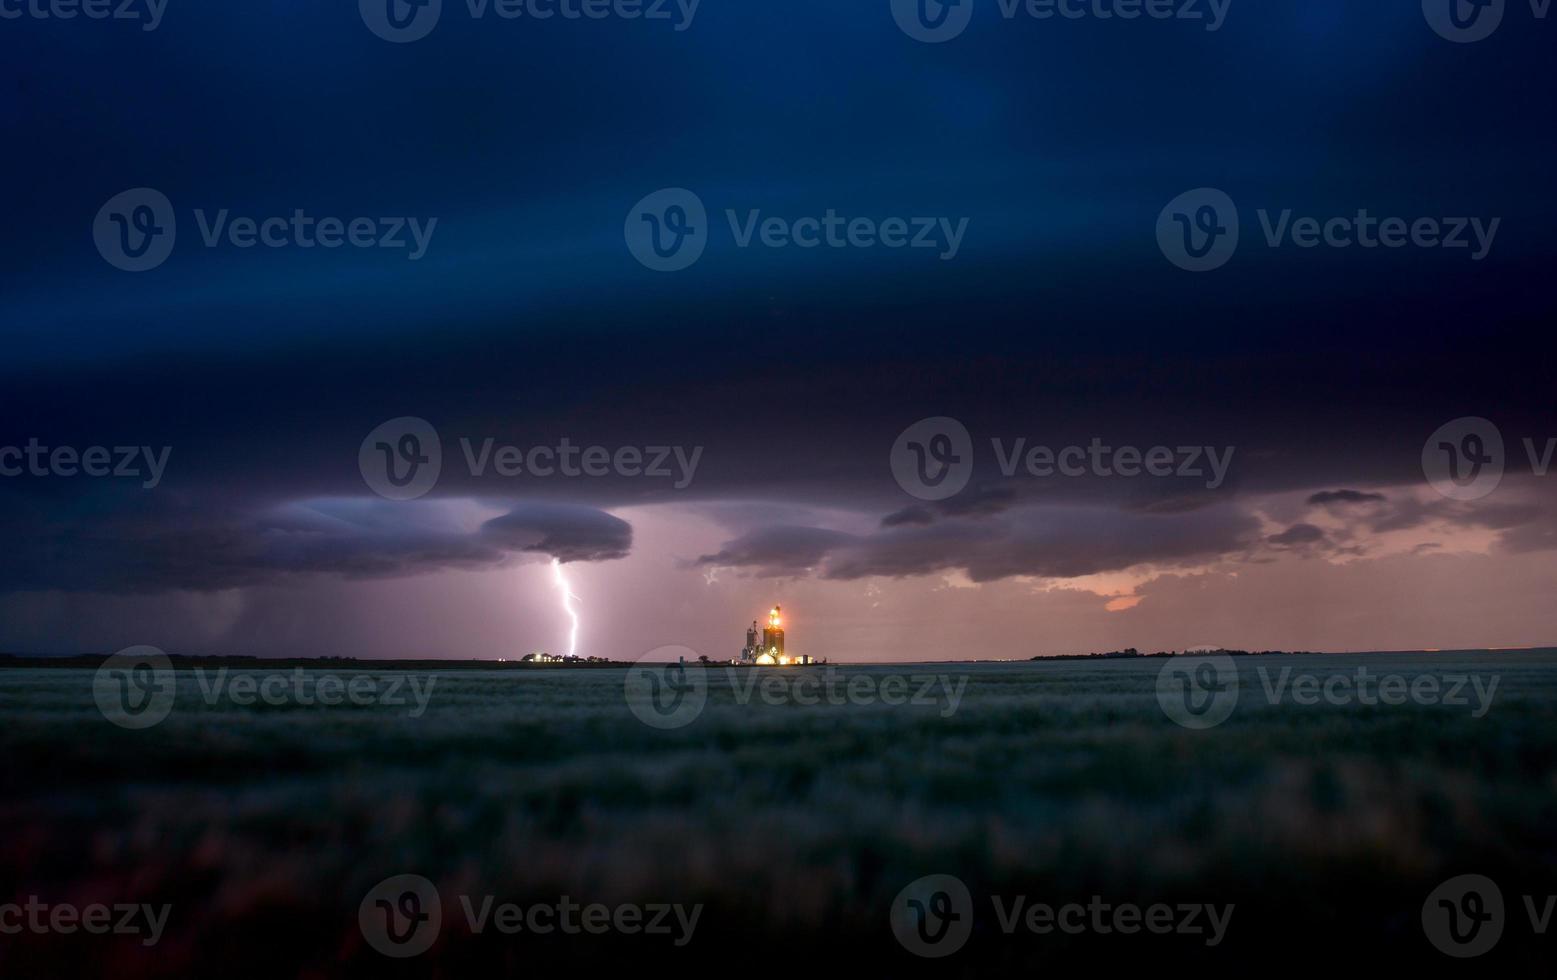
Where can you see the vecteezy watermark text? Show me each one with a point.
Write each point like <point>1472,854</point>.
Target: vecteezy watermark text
<point>97,919</point>
<point>832,686</point>
<point>1199,231</point>
<point>937,21</point>
<point>933,460</point>
<point>568,460</point>
<point>402,917</point>
<point>667,695</point>
<point>136,231</point>
<point>307,689</point>
<point>117,462</point>
<point>835,231</point>
<point>402,459</point>
<point>571,918</point>
<point>668,231</point>
<point>1098,458</point>
<point>1105,918</point>
<point>1200,692</point>
<point>933,916</point>
<point>146,12</point>
<point>403,21</point>
<point>1369,688</point>
<point>137,688</point>
<point>1210,14</point>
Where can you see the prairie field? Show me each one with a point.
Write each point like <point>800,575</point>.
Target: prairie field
<point>794,825</point>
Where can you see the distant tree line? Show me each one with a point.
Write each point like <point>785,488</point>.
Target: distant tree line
<point>1131,653</point>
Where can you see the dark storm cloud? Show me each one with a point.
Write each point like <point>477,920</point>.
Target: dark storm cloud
<point>1297,536</point>
<point>909,515</point>
<point>528,321</point>
<point>1068,541</point>
<point>1521,513</point>
<point>978,502</point>
<point>1043,542</point>
<point>562,531</point>
<point>1522,525</point>
<point>972,502</point>
<point>1409,512</point>
<point>1515,506</point>
<point>1328,497</point>
<point>1530,538</point>
<point>783,550</point>
<point>149,548</point>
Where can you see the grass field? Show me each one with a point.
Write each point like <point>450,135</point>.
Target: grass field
<point>794,825</point>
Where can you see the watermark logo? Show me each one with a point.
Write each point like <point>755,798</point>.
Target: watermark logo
<point>136,229</point>
<point>401,459</point>
<point>134,688</point>
<point>1198,230</point>
<point>933,916</point>
<point>1463,459</point>
<point>933,458</point>
<point>1202,691</point>
<point>401,916</point>
<point>932,21</point>
<point>401,21</point>
<point>1463,917</point>
<point>1464,21</point>
<point>1198,692</point>
<point>668,230</point>
<point>664,690</point>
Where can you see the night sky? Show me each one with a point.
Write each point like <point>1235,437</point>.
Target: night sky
<point>529,320</point>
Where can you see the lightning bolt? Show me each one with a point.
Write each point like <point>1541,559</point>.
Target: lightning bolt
<point>568,598</point>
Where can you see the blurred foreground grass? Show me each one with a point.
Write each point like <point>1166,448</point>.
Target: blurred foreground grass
<point>796,825</point>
